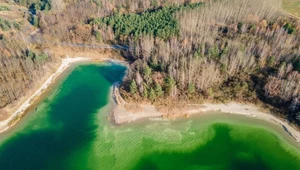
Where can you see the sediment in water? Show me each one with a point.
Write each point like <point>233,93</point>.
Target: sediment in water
<point>68,131</point>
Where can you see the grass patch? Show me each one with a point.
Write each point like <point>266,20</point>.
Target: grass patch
<point>4,8</point>
<point>6,25</point>
<point>292,6</point>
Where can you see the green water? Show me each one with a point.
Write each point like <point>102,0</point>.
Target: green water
<point>70,130</point>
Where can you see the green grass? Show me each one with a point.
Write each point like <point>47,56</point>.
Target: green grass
<point>6,25</point>
<point>4,8</point>
<point>292,6</point>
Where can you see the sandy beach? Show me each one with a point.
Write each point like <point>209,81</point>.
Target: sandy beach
<point>122,115</point>
<point>65,63</point>
<point>125,112</point>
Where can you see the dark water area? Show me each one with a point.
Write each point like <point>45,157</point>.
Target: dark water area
<point>70,130</point>
<point>224,151</point>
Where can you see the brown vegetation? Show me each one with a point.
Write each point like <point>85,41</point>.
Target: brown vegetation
<point>242,50</point>
<point>250,54</point>
<point>19,68</point>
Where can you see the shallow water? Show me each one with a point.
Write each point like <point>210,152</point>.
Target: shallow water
<point>70,130</point>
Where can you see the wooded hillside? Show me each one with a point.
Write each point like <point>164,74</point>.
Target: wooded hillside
<point>186,50</point>
<point>251,54</point>
<point>20,68</point>
<point>21,65</point>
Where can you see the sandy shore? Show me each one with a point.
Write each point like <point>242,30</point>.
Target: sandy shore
<point>253,111</point>
<point>65,63</point>
<point>122,115</point>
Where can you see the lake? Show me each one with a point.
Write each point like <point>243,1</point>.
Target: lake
<point>69,129</point>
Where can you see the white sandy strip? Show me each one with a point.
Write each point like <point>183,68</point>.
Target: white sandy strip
<point>253,111</point>
<point>66,62</point>
<point>121,115</point>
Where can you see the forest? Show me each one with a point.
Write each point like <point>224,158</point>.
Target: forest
<point>246,55</point>
<point>21,65</point>
<point>156,22</point>
<point>19,69</point>
<point>188,51</point>
<point>35,5</point>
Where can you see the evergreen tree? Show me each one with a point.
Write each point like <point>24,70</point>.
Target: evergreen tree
<point>271,61</point>
<point>154,3</point>
<point>145,93</point>
<point>289,28</point>
<point>191,88</point>
<point>47,7</point>
<point>133,87</point>
<point>152,95</point>
<point>160,22</point>
<point>297,66</point>
<point>97,35</point>
<point>35,21</point>
<point>210,92</point>
<point>147,71</point>
<point>158,90</point>
<point>170,83</point>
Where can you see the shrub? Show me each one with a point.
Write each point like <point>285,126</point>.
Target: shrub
<point>4,8</point>
<point>289,28</point>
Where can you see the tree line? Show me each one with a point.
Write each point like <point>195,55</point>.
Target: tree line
<point>240,50</point>
<point>6,25</point>
<point>251,54</point>
<point>20,68</point>
<point>157,22</point>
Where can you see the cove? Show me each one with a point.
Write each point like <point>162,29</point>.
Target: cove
<point>69,129</point>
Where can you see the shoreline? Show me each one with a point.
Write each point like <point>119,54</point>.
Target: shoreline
<point>29,100</point>
<point>17,114</point>
<point>125,114</point>
<point>254,112</point>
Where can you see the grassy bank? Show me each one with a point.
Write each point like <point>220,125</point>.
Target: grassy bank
<point>292,6</point>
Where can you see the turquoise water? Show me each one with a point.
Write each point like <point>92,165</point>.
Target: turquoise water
<point>70,130</point>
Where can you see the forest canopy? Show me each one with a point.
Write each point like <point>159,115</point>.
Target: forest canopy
<point>156,22</point>
<point>188,51</point>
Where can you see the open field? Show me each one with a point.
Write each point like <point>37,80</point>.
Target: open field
<point>292,6</point>
<point>15,12</point>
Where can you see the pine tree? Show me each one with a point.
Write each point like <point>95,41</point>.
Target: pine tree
<point>191,88</point>
<point>147,71</point>
<point>133,87</point>
<point>170,83</point>
<point>145,93</point>
<point>271,61</point>
<point>158,90</point>
<point>154,3</point>
<point>97,34</point>
<point>297,66</point>
<point>152,95</point>
<point>210,92</point>
<point>35,21</point>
